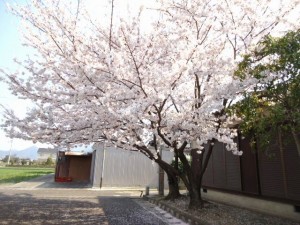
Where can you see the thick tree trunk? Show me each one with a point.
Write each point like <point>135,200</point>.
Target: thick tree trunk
<point>171,172</point>
<point>173,187</point>
<point>172,180</point>
<point>196,201</point>
<point>195,173</point>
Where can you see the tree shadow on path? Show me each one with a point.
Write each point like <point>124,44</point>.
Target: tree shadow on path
<point>26,209</point>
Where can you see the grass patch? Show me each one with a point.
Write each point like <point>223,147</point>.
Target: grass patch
<point>19,174</point>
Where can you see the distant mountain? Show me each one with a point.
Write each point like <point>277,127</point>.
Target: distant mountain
<point>30,153</point>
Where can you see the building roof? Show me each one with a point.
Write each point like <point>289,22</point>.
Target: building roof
<point>75,153</point>
<point>46,151</point>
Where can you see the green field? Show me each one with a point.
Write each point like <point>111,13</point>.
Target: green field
<point>17,174</point>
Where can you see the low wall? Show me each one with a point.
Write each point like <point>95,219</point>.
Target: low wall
<point>260,205</point>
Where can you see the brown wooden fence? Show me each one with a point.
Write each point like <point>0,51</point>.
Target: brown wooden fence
<point>274,173</point>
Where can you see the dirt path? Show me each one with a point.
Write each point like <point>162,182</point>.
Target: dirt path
<point>42,201</point>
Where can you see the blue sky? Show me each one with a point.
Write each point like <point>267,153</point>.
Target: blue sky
<point>10,47</point>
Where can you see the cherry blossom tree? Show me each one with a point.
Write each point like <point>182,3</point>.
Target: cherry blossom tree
<point>168,82</point>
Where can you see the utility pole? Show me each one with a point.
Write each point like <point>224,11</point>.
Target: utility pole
<point>103,161</point>
<point>8,161</point>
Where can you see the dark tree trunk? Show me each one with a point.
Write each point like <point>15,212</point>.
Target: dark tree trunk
<point>173,187</point>
<point>194,173</point>
<point>173,181</point>
<point>195,182</point>
<point>196,201</point>
<point>172,174</point>
<point>176,160</point>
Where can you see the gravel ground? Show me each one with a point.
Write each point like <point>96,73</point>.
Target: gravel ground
<point>125,211</point>
<point>74,207</point>
<point>220,214</point>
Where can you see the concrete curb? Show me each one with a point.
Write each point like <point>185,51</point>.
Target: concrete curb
<point>254,204</point>
<point>176,212</point>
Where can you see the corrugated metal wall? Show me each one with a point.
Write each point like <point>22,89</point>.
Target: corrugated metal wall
<point>208,178</point>
<point>126,168</point>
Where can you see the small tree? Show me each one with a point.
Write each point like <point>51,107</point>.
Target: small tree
<point>49,161</point>
<point>24,162</point>
<point>14,160</point>
<point>5,159</point>
<point>274,104</point>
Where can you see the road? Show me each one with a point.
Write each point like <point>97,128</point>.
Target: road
<point>45,202</point>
